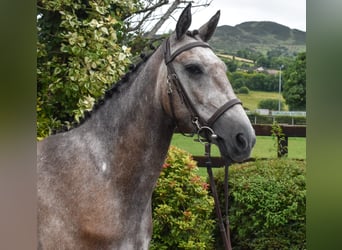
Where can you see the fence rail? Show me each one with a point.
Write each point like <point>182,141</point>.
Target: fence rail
<point>263,130</point>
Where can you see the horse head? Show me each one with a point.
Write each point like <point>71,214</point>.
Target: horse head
<point>197,94</point>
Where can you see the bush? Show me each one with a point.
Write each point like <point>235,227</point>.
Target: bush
<point>243,90</point>
<point>272,104</point>
<point>267,204</point>
<point>182,207</point>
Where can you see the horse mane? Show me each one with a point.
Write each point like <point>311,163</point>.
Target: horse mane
<point>126,79</point>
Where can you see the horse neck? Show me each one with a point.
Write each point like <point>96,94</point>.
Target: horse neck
<point>132,130</point>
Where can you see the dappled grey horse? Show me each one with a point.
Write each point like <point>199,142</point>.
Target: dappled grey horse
<point>96,180</point>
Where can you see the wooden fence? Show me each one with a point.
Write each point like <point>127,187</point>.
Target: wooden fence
<point>264,130</point>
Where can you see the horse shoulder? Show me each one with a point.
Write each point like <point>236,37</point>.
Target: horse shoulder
<point>63,170</point>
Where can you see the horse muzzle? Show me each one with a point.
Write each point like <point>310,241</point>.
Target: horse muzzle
<point>235,139</point>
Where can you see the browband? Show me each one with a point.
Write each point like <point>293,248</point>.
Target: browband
<point>169,58</point>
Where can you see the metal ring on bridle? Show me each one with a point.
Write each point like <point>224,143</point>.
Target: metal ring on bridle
<point>212,136</point>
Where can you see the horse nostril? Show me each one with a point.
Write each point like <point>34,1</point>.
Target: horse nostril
<point>241,141</point>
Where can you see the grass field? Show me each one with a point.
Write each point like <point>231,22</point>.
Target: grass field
<point>252,99</point>
<point>265,147</point>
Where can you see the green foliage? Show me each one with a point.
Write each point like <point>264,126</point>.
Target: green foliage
<point>271,104</point>
<point>267,204</point>
<point>279,143</point>
<point>231,65</point>
<point>79,56</point>
<point>243,90</point>
<point>253,81</point>
<point>294,89</point>
<point>249,54</point>
<point>182,207</point>
<point>263,61</point>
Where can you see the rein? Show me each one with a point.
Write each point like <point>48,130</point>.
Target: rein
<point>201,125</point>
<point>225,232</point>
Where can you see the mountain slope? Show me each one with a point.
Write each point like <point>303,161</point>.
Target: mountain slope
<point>258,36</point>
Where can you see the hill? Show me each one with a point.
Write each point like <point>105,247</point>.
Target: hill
<point>259,37</point>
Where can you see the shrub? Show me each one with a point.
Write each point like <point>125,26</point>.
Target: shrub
<point>181,205</point>
<point>243,90</point>
<point>267,204</point>
<point>271,104</point>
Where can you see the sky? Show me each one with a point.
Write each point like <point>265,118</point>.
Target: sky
<point>291,13</point>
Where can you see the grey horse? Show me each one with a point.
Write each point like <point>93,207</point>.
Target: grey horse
<point>96,180</point>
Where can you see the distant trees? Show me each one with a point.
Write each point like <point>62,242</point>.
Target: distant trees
<point>254,81</point>
<point>231,66</point>
<point>294,87</point>
<point>293,78</point>
<point>248,54</point>
<point>271,59</point>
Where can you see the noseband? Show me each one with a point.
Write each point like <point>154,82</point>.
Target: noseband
<point>199,122</point>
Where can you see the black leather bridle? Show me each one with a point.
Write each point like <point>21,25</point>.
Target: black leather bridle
<point>172,80</point>
<point>200,125</point>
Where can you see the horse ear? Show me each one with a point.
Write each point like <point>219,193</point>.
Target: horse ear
<point>208,29</point>
<point>184,22</point>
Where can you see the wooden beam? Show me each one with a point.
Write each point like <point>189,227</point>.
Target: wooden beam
<point>288,130</point>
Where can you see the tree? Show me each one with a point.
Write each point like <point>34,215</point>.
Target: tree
<point>231,66</point>
<point>154,13</point>
<point>79,56</point>
<point>263,61</point>
<point>294,88</point>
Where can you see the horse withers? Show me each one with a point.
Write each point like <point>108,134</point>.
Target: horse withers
<point>95,182</point>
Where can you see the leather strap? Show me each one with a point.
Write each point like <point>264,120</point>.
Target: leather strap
<point>221,110</point>
<point>169,58</point>
<point>173,79</point>
<point>225,232</point>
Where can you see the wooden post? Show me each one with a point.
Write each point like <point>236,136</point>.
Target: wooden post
<point>282,146</point>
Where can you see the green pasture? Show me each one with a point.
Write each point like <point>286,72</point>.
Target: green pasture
<point>251,100</point>
<point>265,147</point>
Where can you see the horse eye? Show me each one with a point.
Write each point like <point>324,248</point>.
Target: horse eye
<point>194,69</point>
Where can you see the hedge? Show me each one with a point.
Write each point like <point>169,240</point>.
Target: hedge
<point>267,204</point>
<point>267,201</point>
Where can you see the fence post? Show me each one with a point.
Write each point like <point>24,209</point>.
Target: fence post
<point>282,146</point>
